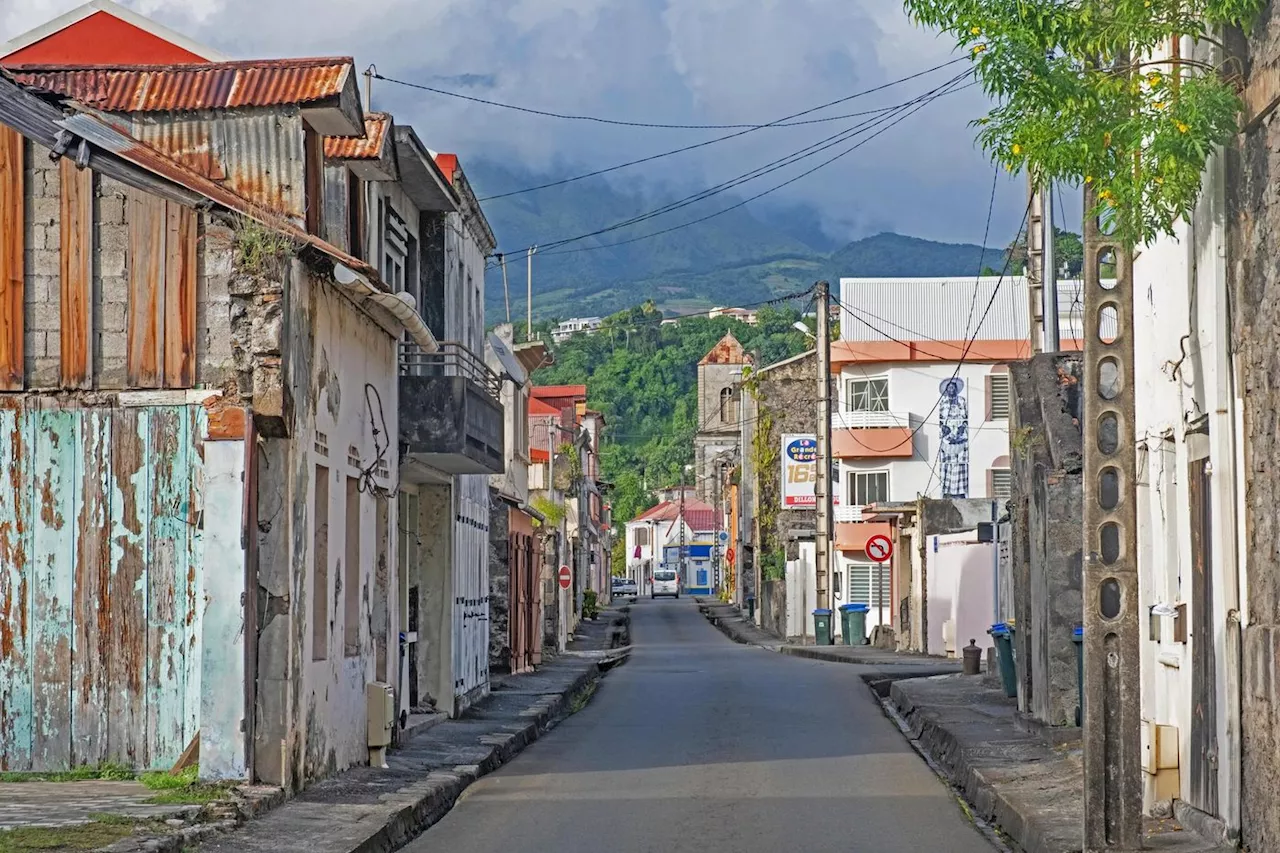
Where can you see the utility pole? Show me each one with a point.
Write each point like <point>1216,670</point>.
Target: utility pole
<point>506,292</point>
<point>1035,266</point>
<point>1112,677</point>
<point>1049,274</point>
<point>528,331</point>
<point>822,484</point>
<point>680,578</point>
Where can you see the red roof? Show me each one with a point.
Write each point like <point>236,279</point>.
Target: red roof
<point>537,407</point>
<point>213,85</point>
<point>103,35</point>
<point>448,164</point>
<point>700,516</point>
<point>367,147</point>
<point>542,392</point>
<point>726,351</point>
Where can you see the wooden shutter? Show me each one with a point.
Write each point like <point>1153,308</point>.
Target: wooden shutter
<point>12,269</point>
<point>76,268</point>
<point>162,293</point>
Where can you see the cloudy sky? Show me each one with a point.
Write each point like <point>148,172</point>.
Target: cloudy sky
<point>664,61</point>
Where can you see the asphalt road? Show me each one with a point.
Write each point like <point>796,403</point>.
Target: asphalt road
<point>700,744</point>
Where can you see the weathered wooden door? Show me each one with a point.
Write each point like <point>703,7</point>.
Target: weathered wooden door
<point>100,585</point>
<point>1204,711</point>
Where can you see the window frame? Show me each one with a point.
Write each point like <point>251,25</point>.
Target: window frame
<point>993,413</point>
<point>877,402</point>
<point>852,488</point>
<point>876,577</point>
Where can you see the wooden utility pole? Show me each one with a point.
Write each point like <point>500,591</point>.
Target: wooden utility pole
<point>528,329</point>
<point>1112,678</point>
<point>1035,265</point>
<point>823,486</point>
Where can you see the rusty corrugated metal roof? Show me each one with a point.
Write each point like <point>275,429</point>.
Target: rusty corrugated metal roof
<point>216,85</point>
<point>368,147</point>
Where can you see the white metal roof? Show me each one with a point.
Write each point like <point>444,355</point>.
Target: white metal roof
<point>949,309</point>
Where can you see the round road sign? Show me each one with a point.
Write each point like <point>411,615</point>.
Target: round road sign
<point>729,555</point>
<point>879,548</point>
<point>566,577</point>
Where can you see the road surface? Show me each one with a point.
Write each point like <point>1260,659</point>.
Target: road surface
<point>699,744</point>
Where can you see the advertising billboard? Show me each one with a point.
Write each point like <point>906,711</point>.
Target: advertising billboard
<point>800,471</point>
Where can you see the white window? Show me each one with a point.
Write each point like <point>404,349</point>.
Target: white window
<point>868,487</point>
<point>869,584</point>
<point>999,407</point>
<point>1001,483</point>
<point>867,395</point>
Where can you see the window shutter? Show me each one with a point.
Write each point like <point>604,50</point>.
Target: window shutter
<point>990,398</point>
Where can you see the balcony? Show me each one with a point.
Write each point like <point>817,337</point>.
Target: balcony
<point>872,435</point>
<point>451,417</point>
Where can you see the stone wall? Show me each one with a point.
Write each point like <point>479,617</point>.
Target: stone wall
<point>499,582</point>
<point>1047,514</point>
<point>773,607</point>
<point>1253,169</point>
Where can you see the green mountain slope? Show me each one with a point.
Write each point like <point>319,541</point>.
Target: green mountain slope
<point>741,257</point>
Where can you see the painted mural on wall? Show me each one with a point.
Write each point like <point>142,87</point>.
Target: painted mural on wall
<point>953,452</point>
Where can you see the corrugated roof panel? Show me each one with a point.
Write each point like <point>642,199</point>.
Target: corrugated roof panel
<point>367,147</point>
<point>258,155</point>
<point>218,85</point>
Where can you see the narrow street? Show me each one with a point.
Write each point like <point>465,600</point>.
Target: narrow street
<point>701,744</point>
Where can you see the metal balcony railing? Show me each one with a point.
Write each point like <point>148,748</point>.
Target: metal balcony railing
<point>452,359</point>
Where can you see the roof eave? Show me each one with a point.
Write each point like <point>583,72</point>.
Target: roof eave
<point>420,177</point>
<point>341,115</point>
<point>78,14</point>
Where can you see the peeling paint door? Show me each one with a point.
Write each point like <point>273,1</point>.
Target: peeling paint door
<point>471,585</point>
<point>100,585</point>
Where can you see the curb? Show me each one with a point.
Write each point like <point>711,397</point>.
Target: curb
<point>425,803</point>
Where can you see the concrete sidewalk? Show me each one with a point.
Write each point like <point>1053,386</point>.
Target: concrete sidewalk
<point>1023,778</point>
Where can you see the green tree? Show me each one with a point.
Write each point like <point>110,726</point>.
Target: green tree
<point>1077,102</point>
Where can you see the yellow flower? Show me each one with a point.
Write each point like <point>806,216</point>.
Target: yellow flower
<point>976,30</point>
<point>1158,105</point>
<point>1182,128</point>
<point>978,48</point>
<point>1017,149</point>
<point>1159,180</point>
<point>1154,79</point>
<point>1088,179</point>
<point>1106,194</point>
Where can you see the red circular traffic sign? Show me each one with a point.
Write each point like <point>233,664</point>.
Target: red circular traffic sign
<point>566,577</point>
<point>879,548</point>
<point>729,555</point>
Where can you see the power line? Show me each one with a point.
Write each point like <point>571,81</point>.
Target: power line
<point>793,158</point>
<point>658,125</point>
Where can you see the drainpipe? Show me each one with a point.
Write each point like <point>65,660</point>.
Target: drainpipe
<point>401,305</point>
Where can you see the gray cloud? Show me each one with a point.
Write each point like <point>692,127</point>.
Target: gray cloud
<point>670,61</point>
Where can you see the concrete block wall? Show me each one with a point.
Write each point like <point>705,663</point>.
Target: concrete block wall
<point>41,297</point>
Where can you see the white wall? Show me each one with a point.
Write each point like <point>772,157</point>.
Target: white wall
<point>913,391</point>
<point>1183,375</point>
<point>961,572</point>
<point>351,354</point>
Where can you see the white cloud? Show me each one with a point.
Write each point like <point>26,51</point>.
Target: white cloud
<point>682,61</point>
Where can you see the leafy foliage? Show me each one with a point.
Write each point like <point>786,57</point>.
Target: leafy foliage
<point>1076,101</point>
<point>643,376</point>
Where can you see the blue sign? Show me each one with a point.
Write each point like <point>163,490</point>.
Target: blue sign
<point>803,450</point>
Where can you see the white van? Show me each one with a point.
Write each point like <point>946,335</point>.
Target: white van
<point>665,582</point>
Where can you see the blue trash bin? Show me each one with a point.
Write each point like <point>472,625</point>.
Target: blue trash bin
<point>1077,637</point>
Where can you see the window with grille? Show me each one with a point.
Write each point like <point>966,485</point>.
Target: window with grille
<point>395,251</point>
<point>868,395</point>
<point>869,584</point>
<point>1001,483</point>
<point>868,488</point>
<point>999,397</point>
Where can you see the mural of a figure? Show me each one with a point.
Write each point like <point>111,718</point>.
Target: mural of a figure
<point>953,453</point>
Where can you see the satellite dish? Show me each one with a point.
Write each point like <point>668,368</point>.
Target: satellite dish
<point>509,363</point>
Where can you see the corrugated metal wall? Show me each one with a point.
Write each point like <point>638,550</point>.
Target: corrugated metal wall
<point>100,585</point>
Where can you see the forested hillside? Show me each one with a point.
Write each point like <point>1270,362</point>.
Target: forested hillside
<point>643,376</point>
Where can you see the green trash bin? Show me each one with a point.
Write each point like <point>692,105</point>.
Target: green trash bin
<point>1077,637</point>
<point>853,624</point>
<point>1003,638</point>
<point>751,608</point>
<point>822,627</point>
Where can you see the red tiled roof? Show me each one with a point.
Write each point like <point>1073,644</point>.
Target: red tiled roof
<point>544,391</point>
<point>699,515</point>
<point>726,351</point>
<point>214,85</point>
<point>367,147</point>
<point>537,407</point>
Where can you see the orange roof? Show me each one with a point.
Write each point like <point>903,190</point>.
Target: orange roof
<point>448,164</point>
<point>367,147</point>
<point>537,454</point>
<point>545,391</point>
<point>214,85</point>
<point>727,351</point>
<point>537,407</point>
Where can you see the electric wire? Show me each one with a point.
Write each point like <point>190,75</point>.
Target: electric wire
<point>660,125</point>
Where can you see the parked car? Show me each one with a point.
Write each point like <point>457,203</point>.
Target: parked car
<point>665,582</point>
<point>625,588</point>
